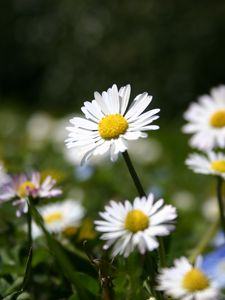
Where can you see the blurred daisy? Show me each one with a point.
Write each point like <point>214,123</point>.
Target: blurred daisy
<point>210,209</point>
<point>4,177</point>
<point>184,200</point>
<point>187,282</point>
<point>145,151</point>
<point>39,128</point>
<point>60,217</point>
<point>20,187</point>
<point>206,120</point>
<point>213,163</point>
<point>108,124</point>
<point>135,225</point>
<point>74,157</point>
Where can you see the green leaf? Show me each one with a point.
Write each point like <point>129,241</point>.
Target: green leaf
<point>88,282</point>
<point>28,268</point>
<point>24,296</point>
<point>4,286</point>
<point>120,283</point>
<point>74,297</point>
<point>40,256</point>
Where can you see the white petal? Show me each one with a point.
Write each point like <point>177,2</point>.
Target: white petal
<point>124,93</point>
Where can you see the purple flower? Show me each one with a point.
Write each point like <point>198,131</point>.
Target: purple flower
<point>22,186</point>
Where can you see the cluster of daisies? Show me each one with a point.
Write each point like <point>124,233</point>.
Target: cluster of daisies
<point>206,123</point>
<point>108,126</point>
<point>109,123</point>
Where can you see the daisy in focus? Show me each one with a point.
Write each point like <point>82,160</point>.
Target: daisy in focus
<point>22,186</point>
<point>129,226</point>
<point>60,217</point>
<point>212,163</point>
<point>109,123</point>
<point>206,120</point>
<point>187,282</point>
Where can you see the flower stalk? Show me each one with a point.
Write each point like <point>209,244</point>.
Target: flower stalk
<point>203,243</point>
<point>133,174</point>
<point>27,272</point>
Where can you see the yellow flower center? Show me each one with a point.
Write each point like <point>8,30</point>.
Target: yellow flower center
<point>24,188</point>
<point>218,165</point>
<point>136,221</point>
<point>53,217</point>
<point>195,280</point>
<point>111,126</point>
<point>218,119</point>
<point>71,230</point>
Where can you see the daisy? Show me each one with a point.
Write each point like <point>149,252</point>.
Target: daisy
<point>108,123</point>
<point>128,225</point>
<point>206,120</point>
<point>187,282</point>
<point>60,217</point>
<point>22,186</point>
<point>212,163</point>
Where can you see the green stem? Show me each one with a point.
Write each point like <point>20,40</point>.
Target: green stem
<point>151,279</point>
<point>30,253</point>
<point>204,241</point>
<point>220,202</point>
<point>162,253</point>
<point>29,229</point>
<point>133,174</point>
<point>26,277</point>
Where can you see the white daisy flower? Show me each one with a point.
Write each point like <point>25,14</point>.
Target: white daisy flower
<point>60,217</point>
<point>212,163</point>
<point>39,129</point>
<point>19,187</point>
<point>206,120</point>
<point>108,124</point>
<point>128,225</point>
<point>187,282</point>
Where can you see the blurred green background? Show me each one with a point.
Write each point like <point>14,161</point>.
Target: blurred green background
<point>54,54</point>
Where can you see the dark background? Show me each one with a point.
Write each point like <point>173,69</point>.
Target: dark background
<point>55,54</point>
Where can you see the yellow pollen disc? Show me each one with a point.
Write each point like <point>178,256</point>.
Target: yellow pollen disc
<point>195,280</point>
<point>218,165</point>
<point>218,119</point>
<point>136,221</point>
<point>53,217</point>
<point>111,126</point>
<point>24,188</point>
<point>71,230</point>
